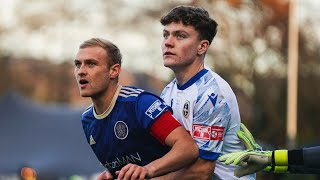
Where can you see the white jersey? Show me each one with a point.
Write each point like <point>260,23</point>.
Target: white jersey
<point>207,107</point>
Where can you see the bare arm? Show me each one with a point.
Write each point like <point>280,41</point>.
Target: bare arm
<point>184,151</point>
<point>202,169</point>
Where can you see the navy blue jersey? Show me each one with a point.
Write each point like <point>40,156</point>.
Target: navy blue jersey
<point>121,135</point>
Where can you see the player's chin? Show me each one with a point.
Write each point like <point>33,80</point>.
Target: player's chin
<point>85,94</point>
<point>168,63</point>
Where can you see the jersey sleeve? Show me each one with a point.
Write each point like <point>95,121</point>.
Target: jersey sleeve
<point>311,157</point>
<point>211,118</point>
<point>148,108</point>
<point>304,161</point>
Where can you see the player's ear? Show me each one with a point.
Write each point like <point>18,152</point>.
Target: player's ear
<point>203,47</point>
<point>114,71</point>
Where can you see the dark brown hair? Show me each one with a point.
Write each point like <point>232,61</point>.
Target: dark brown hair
<point>194,16</point>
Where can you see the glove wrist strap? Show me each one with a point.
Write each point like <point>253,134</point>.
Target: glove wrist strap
<point>280,157</point>
<point>276,169</point>
<point>280,169</point>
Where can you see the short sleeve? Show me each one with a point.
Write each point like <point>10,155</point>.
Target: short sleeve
<point>211,118</point>
<point>148,108</point>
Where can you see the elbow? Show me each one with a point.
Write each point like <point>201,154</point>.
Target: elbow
<point>194,151</point>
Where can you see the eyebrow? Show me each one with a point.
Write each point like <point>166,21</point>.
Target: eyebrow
<point>86,61</point>
<point>176,32</point>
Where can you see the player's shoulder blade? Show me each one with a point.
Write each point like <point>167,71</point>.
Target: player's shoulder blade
<point>129,92</point>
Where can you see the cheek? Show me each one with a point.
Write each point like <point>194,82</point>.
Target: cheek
<point>102,78</point>
<point>75,72</point>
<point>188,51</point>
<point>163,46</point>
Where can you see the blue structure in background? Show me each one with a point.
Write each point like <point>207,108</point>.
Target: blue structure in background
<point>47,138</point>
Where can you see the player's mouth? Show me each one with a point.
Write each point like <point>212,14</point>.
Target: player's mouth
<point>168,53</point>
<point>83,83</point>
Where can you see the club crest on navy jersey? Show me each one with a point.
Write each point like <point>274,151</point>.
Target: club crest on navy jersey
<point>186,109</point>
<point>121,130</point>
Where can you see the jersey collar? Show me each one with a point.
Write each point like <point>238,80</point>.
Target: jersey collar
<point>109,109</point>
<point>193,79</point>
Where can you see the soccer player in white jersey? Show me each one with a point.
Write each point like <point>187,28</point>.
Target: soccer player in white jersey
<point>201,100</point>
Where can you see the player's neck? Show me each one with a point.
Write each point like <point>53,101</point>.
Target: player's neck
<point>184,75</point>
<point>102,103</point>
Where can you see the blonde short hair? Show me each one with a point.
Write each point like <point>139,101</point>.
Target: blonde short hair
<point>113,52</point>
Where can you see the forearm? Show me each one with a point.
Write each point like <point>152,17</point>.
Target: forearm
<point>177,158</point>
<point>201,169</point>
<point>311,157</point>
<point>302,161</point>
<point>303,170</point>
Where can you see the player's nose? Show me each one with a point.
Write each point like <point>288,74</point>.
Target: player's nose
<point>168,42</point>
<point>81,71</point>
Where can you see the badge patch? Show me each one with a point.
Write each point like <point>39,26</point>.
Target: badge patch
<point>155,109</point>
<point>201,132</point>
<point>186,109</point>
<point>121,130</point>
<point>208,132</point>
<point>217,133</point>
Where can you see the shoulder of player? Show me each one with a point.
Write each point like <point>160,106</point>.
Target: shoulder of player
<point>148,95</point>
<point>211,89</point>
<point>136,95</point>
<point>214,83</point>
<point>88,111</point>
<point>167,90</point>
<point>219,81</point>
<point>129,93</point>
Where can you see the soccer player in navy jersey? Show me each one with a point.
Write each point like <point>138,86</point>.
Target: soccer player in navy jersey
<point>131,131</point>
<point>201,100</point>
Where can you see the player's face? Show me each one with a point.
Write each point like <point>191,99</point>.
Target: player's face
<point>92,71</point>
<point>179,46</point>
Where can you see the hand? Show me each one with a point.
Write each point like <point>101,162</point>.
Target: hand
<point>247,138</point>
<point>250,161</point>
<point>243,158</point>
<point>105,175</point>
<point>132,171</point>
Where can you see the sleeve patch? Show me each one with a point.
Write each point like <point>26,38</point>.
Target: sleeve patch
<point>155,109</point>
<point>208,132</point>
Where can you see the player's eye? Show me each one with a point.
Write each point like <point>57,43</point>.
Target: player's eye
<point>181,36</point>
<point>91,64</point>
<point>165,35</point>
<point>77,64</point>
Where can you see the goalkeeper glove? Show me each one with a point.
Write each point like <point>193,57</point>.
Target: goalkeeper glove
<point>251,161</point>
<point>247,138</point>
